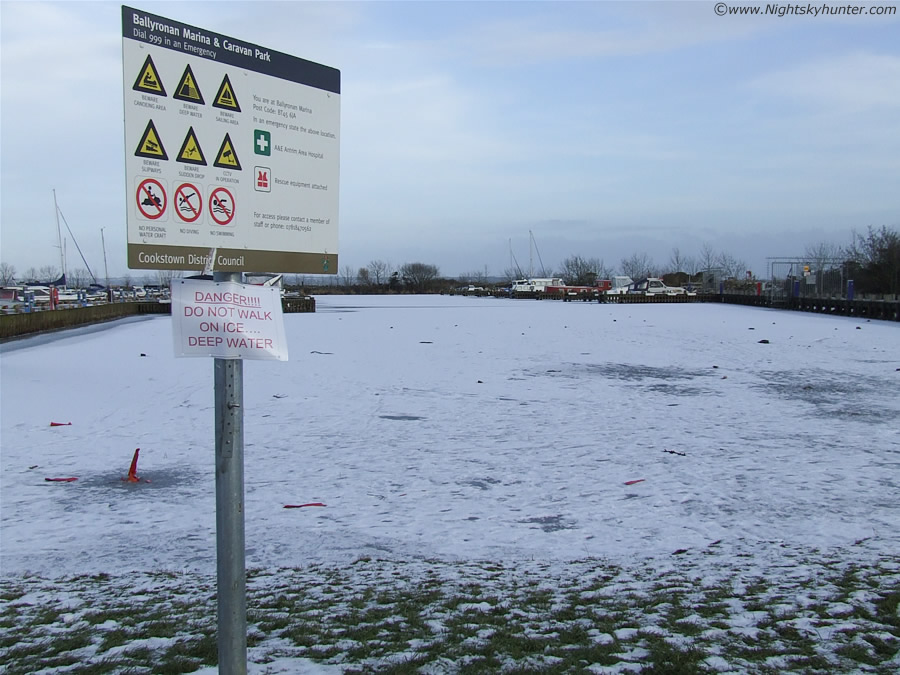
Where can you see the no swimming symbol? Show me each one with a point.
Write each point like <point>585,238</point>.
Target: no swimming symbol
<point>221,206</point>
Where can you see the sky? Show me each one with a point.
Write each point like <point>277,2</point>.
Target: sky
<point>603,128</point>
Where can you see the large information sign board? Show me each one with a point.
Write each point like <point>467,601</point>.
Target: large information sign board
<point>228,146</point>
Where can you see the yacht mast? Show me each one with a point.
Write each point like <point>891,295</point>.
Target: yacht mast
<point>62,251</point>
<point>105,268</point>
<point>530,255</point>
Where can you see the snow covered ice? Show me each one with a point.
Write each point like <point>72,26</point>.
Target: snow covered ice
<point>463,429</point>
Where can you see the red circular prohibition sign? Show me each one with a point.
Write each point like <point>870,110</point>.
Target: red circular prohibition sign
<point>221,206</point>
<point>150,203</point>
<point>188,202</point>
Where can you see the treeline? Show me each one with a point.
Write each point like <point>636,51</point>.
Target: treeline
<point>871,260</point>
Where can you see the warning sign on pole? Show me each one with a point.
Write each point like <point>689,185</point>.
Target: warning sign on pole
<point>196,111</point>
<point>228,320</point>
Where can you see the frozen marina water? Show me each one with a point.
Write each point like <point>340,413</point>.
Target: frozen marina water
<point>455,436</point>
<point>462,428</point>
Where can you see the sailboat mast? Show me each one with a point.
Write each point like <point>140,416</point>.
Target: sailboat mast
<point>530,255</point>
<point>105,268</point>
<point>62,252</point>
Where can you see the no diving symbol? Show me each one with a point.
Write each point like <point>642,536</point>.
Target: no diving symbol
<point>188,203</point>
<point>151,198</point>
<point>221,206</point>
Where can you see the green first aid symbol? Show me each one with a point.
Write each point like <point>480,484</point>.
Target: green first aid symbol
<point>262,142</point>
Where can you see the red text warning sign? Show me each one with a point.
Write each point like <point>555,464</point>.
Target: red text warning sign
<point>227,320</point>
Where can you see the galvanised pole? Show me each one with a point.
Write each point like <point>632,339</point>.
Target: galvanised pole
<point>230,564</point>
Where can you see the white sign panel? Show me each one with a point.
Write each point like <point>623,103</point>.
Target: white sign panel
<point>227,320</point>
<point>228,146</point>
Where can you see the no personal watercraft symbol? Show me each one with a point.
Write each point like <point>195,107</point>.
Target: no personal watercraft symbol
<point>148,79</point>
<point>151,145</point>
<point>151,198</point>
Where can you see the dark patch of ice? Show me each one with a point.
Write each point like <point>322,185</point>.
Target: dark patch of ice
<point>622,371</point>
<point>834,394</point>
<point>551,523</point>
<point>480,483</point>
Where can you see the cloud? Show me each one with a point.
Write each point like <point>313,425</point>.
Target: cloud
<point>556,32</point>
<point>65,30</point>
<point>847,83</point>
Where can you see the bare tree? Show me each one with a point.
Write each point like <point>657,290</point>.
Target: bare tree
<point>78,278</point>
<point>48,273</point>
<point>7,274</point>
<point>691,265</point>
<point>362,276</point>
<point>296,281</point>
<point>824,254</point>
<point>481,276</point>
<point>638,266</point>
<point>874,260</point>
<point>732,267</point>
<point>511,274</point>
<point>31,274</point>
<point>379,271</point>
<point>706,259</point>
<point>164,277</point>
<point>476,277</point>
<point>418,275</point>
<point>580,271</point>
<point>677,261</point>
<point>347,276</point>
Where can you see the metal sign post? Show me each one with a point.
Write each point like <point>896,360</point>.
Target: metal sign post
<point>230,555</point>
<point>266,200</point>
<point>230,321</point>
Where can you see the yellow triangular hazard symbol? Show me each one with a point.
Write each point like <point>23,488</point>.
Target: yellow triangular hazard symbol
<point>151,146</point>
<point>187,89</point>
<point>227,157</point>
<point>190,150</point>
<point>148,79</point>
<point>225,98</point>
